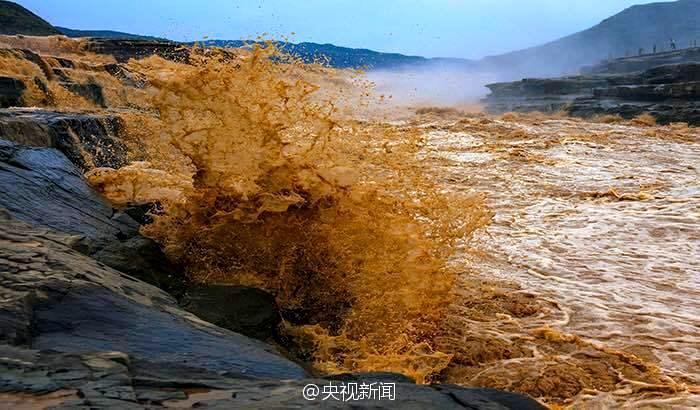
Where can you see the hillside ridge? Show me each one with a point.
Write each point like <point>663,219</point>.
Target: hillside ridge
<point>15,19</point>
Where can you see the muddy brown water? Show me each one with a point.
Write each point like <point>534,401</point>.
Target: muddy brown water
<point>600,223</point>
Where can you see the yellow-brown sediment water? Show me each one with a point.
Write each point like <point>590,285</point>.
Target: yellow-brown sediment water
<point>265,182</point>
<point>540,254</point>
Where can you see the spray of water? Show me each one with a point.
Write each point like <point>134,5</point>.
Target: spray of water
<point>266,183</point>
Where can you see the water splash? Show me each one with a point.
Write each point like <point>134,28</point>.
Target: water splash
<point>270,184</point>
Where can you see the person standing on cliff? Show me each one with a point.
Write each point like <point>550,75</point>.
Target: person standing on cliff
<point>673,45</point>
<point>654,48</point>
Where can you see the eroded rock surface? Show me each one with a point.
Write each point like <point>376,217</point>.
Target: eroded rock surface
<point>88,140</point>
<point>52,297</point>
<point>11,90</point>
<point>123,49</point>
<point>670,93</point>
<point>42,187</point>
<point>118,380</point>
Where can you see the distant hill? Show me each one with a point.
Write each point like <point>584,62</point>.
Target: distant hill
<point>637,27</point>
<point>15,19</point>
<point>104,34</point>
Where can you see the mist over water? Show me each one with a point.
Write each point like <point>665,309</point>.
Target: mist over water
<point>433,84</point>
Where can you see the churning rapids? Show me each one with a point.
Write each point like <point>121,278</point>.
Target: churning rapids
<point>545,255</point>
<point>599,222</point>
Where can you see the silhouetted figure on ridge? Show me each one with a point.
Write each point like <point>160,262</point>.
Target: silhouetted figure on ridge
<point>654,48</point>
<point>673,45</point>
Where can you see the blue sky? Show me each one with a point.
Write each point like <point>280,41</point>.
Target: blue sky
<point>432,28</point>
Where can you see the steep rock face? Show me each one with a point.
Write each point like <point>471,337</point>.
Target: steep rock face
<point>11,90</point>
<point>125,49</point>
<point>88,140</point>
<point>671,93</point>
<point>546,95</point>
<point>42,187</point>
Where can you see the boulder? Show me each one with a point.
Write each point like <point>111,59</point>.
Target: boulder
<point>246,310</point>
<point>139,257</point>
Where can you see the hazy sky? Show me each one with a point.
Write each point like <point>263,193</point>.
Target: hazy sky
<point>432,28</point>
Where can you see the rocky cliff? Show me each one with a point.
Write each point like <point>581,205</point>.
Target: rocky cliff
<point>644,61</point>
<point>671,93</point>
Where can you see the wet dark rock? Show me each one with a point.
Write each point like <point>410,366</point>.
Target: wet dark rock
<point>42,187</point>
<point>119,380</point>
<point>88,140</point>
<point>90,91</point>
<point>73,304</point>
<point>143,213</point>
<point>125,49</point>
<point>488,398</point>
<point>670,93</point>
<point>246,310</point>
<point>127,77</point>
<point>11,90</point>
<point>137,256</point>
